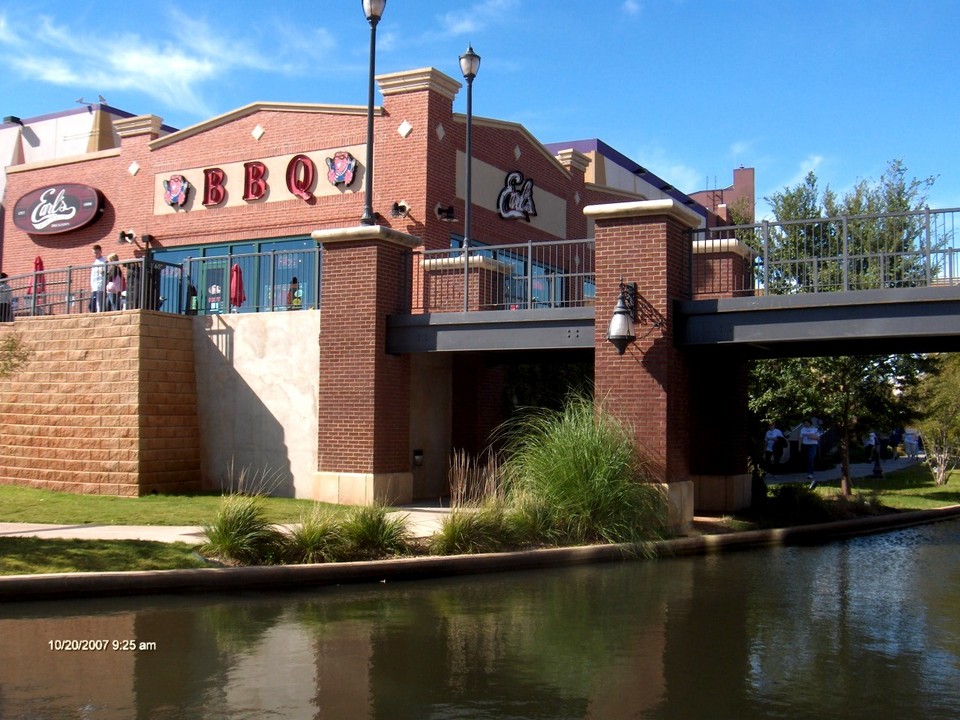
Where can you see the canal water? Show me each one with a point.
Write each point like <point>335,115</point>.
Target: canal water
<point>865,628</point>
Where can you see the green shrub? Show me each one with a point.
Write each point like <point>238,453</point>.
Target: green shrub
<point>369,532</point>
<point>317,538</point>
<point>240,532</point>
<point>794,504</point>
<point>580,468</point>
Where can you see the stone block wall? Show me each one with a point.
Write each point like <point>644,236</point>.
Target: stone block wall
<point>106,405</point>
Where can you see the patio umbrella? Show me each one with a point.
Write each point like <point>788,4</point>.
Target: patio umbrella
<point>236,286</point>
<point>39,284</point>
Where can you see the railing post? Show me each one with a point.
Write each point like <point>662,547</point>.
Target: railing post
<point>846,256</point>
<point>529,274</point>
<point>765,238</point>
<point>466,276</point>
<point>928,269</point>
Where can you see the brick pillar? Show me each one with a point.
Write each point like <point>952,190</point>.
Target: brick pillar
<point>364,393</point>
<point>648,387</point>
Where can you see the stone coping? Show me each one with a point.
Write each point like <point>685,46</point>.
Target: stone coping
<point>15,588</point>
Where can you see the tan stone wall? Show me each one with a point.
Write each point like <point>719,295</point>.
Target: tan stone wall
<point>106,405</point>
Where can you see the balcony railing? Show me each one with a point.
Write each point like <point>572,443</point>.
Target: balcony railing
<point>532,275</point>
<point>145,284</point>
<point>856,252</point>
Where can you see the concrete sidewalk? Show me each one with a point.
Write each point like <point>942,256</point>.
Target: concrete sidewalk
<point>422,521</point>
<point>860,473</point>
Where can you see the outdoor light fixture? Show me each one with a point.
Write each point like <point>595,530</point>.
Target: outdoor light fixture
<point>400,209</point>
<point>469,65</point>
<point>12,120</point>
<point>445,213</point>
<point>621,332</point>
<point>147,240</point>
<point>373,11</point>
<point>126,236</point>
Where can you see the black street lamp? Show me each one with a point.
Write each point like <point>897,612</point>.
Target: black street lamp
<point>469,65</point>
<point>373,11</point>
<point>620,331</point>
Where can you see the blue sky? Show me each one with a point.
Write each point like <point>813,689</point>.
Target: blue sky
<point>688,88</point>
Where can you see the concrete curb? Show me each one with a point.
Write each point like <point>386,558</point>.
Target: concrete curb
<point>14,588</point>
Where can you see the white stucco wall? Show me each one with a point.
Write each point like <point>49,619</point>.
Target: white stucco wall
<point>257,377</point>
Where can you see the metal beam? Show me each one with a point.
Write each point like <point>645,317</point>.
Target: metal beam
<point>865,322</point>
<point>541,329</point>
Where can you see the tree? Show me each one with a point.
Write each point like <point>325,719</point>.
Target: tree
<point>940,426</point>
<point>857,393</point>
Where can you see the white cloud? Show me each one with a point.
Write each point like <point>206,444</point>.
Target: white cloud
<point>631,7</point>
<point>474,19</point>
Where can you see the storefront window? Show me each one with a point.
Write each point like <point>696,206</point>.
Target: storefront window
<point>263,276</point>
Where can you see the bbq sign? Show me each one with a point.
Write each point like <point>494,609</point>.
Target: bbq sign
<point>57,209</point>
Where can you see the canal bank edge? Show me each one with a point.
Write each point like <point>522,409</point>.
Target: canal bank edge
<point>15,588</point>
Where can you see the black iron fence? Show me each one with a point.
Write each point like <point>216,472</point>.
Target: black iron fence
<point>856,252</point>
<point>909,249</point>
<point>98,287</point>
<point>531,275</point>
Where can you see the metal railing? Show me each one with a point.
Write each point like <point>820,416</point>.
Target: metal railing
<point>141,283</point>
<point>855,252</point>
<point>531,275</point>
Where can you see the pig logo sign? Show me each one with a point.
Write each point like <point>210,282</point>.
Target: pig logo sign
<point>342,167</point>
<point>175,189</point>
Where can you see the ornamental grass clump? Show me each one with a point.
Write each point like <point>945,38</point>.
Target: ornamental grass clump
<point>241,533</point>
<point>576,476</point>
<point>369,532</point>
<point>467,531</point>
<point>317,538</point>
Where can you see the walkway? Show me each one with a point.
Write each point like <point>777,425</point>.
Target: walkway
<point>422,521</point>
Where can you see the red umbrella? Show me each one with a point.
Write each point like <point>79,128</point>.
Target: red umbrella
<point>39,284</point>
<point>236,286</point>
<point>39,281</point>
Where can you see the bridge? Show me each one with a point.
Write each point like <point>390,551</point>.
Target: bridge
<point>845,285</point>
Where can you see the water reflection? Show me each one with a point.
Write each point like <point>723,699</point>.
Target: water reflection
<point>867,628</point>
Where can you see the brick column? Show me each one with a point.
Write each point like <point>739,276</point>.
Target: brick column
<point>648,387</point>
<point>364,393</point>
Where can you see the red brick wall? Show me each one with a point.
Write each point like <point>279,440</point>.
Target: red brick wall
<point>647,387</point>
<point>107,405</point>
<point>364,393</point>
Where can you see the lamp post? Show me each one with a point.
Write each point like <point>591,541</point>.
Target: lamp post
<point>469,65</point>
<point>373,10</point>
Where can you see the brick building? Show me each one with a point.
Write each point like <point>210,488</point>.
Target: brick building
<point>311,399</point>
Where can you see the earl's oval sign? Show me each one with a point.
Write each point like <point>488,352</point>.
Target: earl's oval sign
<point>57,208</point>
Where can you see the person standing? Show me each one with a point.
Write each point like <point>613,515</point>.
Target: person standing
<point>773,442</point>
<point>809,442</point>
<point>911,442</point>
<point>6,299</point>
<point>294,295</point>
<point>98,280</point>
<point>116,283</point>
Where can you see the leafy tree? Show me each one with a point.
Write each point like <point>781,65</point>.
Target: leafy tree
<point>851,394</point>
<point>940,427</point>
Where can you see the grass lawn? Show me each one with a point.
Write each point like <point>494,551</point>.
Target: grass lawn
<point>29,556</point>
<point>18,504</point>
<point>911,488</point>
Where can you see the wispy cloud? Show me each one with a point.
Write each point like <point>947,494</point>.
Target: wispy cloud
<point>172,64</point>
<point>631,7</point>
<point>473,19</point>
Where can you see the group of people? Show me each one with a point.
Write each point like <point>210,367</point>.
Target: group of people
<point>775,442</point>
<point>6,299</point>
<point>107,283</point>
